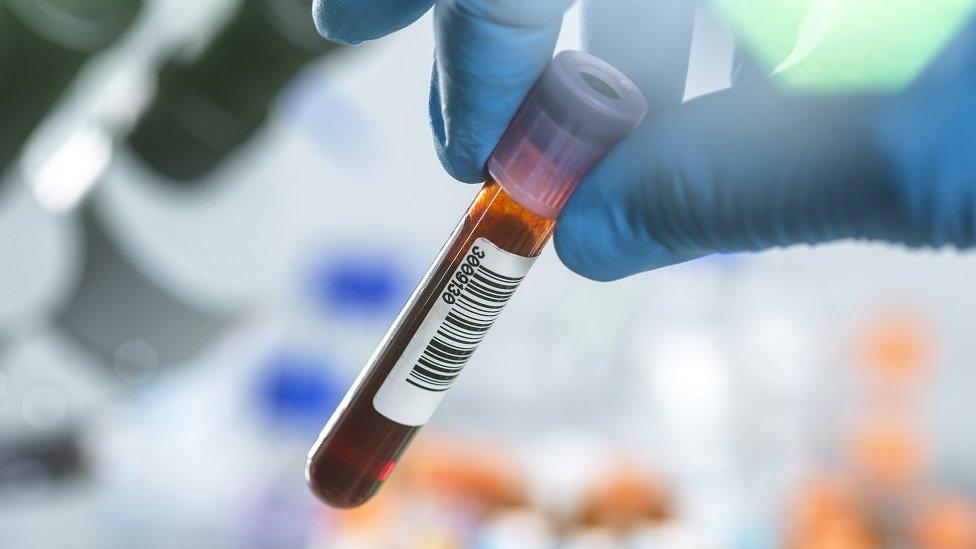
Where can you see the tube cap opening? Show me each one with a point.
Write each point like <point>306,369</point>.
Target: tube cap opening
<point>579,109</point>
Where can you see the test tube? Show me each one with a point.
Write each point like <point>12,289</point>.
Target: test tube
<point>577,111</point>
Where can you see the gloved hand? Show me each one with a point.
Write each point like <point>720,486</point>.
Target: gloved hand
<point>748,168</point>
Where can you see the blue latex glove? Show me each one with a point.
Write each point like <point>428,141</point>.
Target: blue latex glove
<point>748,168</point>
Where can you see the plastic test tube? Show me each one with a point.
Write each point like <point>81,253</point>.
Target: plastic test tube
<point>577,111</point>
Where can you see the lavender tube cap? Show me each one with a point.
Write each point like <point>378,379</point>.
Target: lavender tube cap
<point>579,109</point>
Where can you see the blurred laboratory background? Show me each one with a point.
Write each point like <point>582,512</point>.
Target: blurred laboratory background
<point>209,217</point>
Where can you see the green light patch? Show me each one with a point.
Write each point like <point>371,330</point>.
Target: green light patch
<point>846,45</point>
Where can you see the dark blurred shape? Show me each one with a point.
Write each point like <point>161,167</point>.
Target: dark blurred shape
<point>124,317</point>
<point>208,106</point>
<point>205,109</point>
<point>31,461</point>
<point>43,44</point>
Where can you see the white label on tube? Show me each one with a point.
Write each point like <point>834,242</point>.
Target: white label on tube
<point>465,309</point>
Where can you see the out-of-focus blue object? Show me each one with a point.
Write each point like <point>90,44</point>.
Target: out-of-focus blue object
<point>297,389</point>
<point>359,284</point>
<point>747,168</point>
<point>346,132</point>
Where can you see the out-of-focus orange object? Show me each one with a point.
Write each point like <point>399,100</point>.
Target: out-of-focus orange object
<point>888,453</point>
<point>625,499</point>
<point>897,346</point>
<point>378,511</point>
<point>949,523</point>
<point>480,474</point>
<point>368,517</point>
<point>827,514</point>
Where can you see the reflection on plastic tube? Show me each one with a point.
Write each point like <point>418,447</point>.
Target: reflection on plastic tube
<point>61,179</point>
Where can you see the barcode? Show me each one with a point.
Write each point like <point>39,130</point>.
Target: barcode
<point>484,295</point>
<point>470,301</point>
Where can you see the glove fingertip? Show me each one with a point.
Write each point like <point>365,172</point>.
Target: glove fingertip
<point>460,166</point>
<point>333,21</point>
<point>602,233</point>
<point>577,255</point>
<point>459,163</point>
<point>352,22</point>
